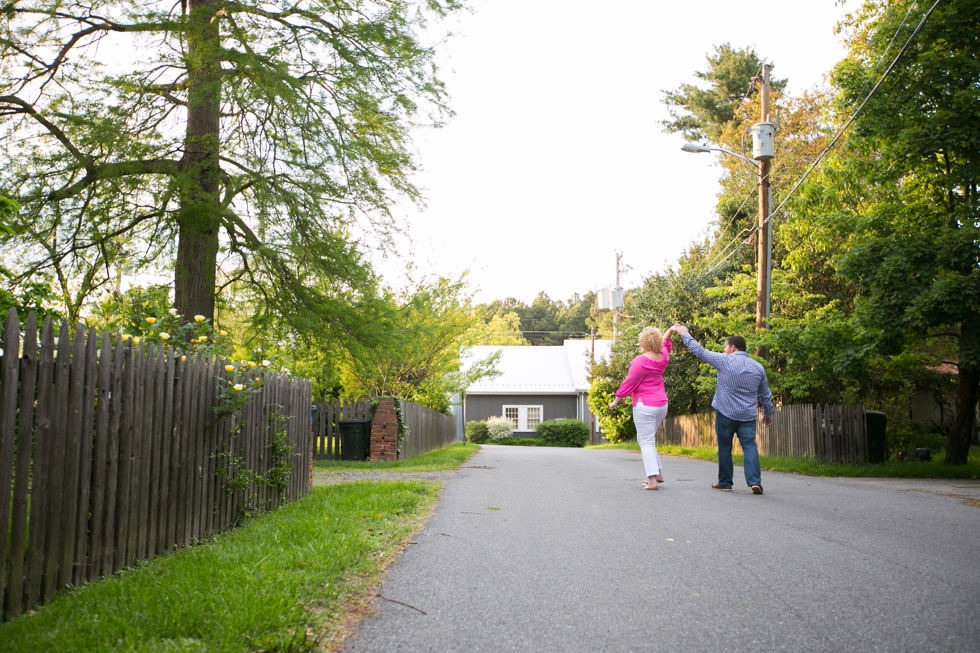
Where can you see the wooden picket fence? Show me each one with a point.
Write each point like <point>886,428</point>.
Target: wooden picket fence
<point>326,423</point>
<point>111,454</point>
<point>427,429</point>
<point>832,433</point>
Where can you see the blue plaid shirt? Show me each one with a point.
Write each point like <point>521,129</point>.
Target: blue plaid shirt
<point>741,383</point>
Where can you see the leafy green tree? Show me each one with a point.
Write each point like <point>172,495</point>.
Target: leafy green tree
<point>915,250</point>
<point>546,321</point>
<point>231,139</point>
<point>427,330</point>
<point>702,113</point>
<point>504,330</point>
<point>27,296</point>
<point>8,209</point>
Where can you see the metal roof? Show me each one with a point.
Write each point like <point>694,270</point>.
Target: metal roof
<point>538,370</point>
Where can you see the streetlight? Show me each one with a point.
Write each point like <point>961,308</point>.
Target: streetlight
<point>698,148</point>
<point>762,151</point>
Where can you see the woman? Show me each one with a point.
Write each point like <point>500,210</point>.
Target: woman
<point>645,382</point>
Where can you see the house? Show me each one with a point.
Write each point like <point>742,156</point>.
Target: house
<point>535,384</point>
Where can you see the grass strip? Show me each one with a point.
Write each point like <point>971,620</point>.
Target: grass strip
<point>284,582</point>
<point>809,467</point>
<point>440,460</point>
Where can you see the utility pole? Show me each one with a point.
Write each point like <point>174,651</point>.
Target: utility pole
<point>616,308</point>
<point>765,225</point>
<point>591,377</point>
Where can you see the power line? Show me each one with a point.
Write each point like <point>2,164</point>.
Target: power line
<point>856,113</point>
<point>737,240</point>
<point>841,131</point>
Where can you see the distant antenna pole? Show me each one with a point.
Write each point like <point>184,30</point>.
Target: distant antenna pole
<point>616,308</point>
<point>591,377</point>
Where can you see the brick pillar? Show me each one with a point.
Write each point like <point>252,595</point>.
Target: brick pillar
<point>384,431</point>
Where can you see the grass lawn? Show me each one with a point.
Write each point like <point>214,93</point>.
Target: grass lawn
<point>891,469</point>
<point>287,581</point>
<point>440,460</point>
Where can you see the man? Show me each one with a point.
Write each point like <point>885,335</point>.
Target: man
<point>742,384</point>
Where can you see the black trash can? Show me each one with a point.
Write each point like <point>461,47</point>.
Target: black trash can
<point>875,424</point>
<point>354,438</point>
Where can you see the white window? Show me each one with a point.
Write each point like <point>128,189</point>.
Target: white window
<point>524,418</point>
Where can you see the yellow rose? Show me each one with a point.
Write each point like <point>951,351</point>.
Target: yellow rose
<point>229,368</point>
<point>136,340</point>
<point>251,364</point>
<point>183,359</point>
<point>238,387</point>
<point>164,336</point>
<point>151,320</point>
<point>199,318</point>
<point>223,333</point>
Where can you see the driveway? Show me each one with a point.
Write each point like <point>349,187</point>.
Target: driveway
<point>536,549</point>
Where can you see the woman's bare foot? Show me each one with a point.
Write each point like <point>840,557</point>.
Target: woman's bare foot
<point>651,484</point>
<point>659,478</point>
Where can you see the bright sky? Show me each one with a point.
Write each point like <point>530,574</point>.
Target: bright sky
<point>556,159</point>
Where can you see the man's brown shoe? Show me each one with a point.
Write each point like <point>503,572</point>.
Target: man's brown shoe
<point>756,489</point>
<point>715,486</point>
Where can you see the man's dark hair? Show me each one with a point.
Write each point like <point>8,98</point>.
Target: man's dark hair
<point>738,342</point>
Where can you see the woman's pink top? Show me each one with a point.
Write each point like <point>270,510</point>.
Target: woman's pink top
<point>646,379</point>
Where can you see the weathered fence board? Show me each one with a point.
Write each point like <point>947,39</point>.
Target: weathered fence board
<point>427,430</point>
<point>111,453</point>
<point>22,471</point>
<point>830,433</point>
<point>8,424</point>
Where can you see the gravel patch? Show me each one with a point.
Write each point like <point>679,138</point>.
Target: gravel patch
<point>332,478</point>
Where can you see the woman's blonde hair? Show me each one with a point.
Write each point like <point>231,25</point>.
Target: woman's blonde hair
<point>651,339</point>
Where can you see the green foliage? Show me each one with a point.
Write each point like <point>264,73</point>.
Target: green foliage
<point>427,328</point>
<point>504,330</point>
<point>911,243</point>
<point>543,322</point>
<point>270,139</point>
<point>27,296</point>
<point>285,573</point>
<point>524,442</point>
<point>704,112</point>
<point>499,428</point>
<point>477,432</point>
<point>8,210</point>
<point>910,435</point>
<point>564,432</point>
<point>617,425</point>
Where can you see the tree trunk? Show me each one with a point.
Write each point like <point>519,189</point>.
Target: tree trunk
<point>199,215</point>
<point>964,420</point>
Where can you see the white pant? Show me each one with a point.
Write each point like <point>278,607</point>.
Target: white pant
<point>647,420</point>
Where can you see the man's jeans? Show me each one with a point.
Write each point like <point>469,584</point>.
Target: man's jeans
<point>726,428</point>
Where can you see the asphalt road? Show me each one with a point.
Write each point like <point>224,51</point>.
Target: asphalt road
<point>535,549</point>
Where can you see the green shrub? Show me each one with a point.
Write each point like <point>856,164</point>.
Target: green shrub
<point>499,428</point>
<point>477,432</point>
<point>617,425</point>
<point>564,432</point>
<point>524,442</point>
<point>910,435</point>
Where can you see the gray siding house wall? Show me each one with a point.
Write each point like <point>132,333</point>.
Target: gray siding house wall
<point>479,407</point>
<point>553,377</point>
